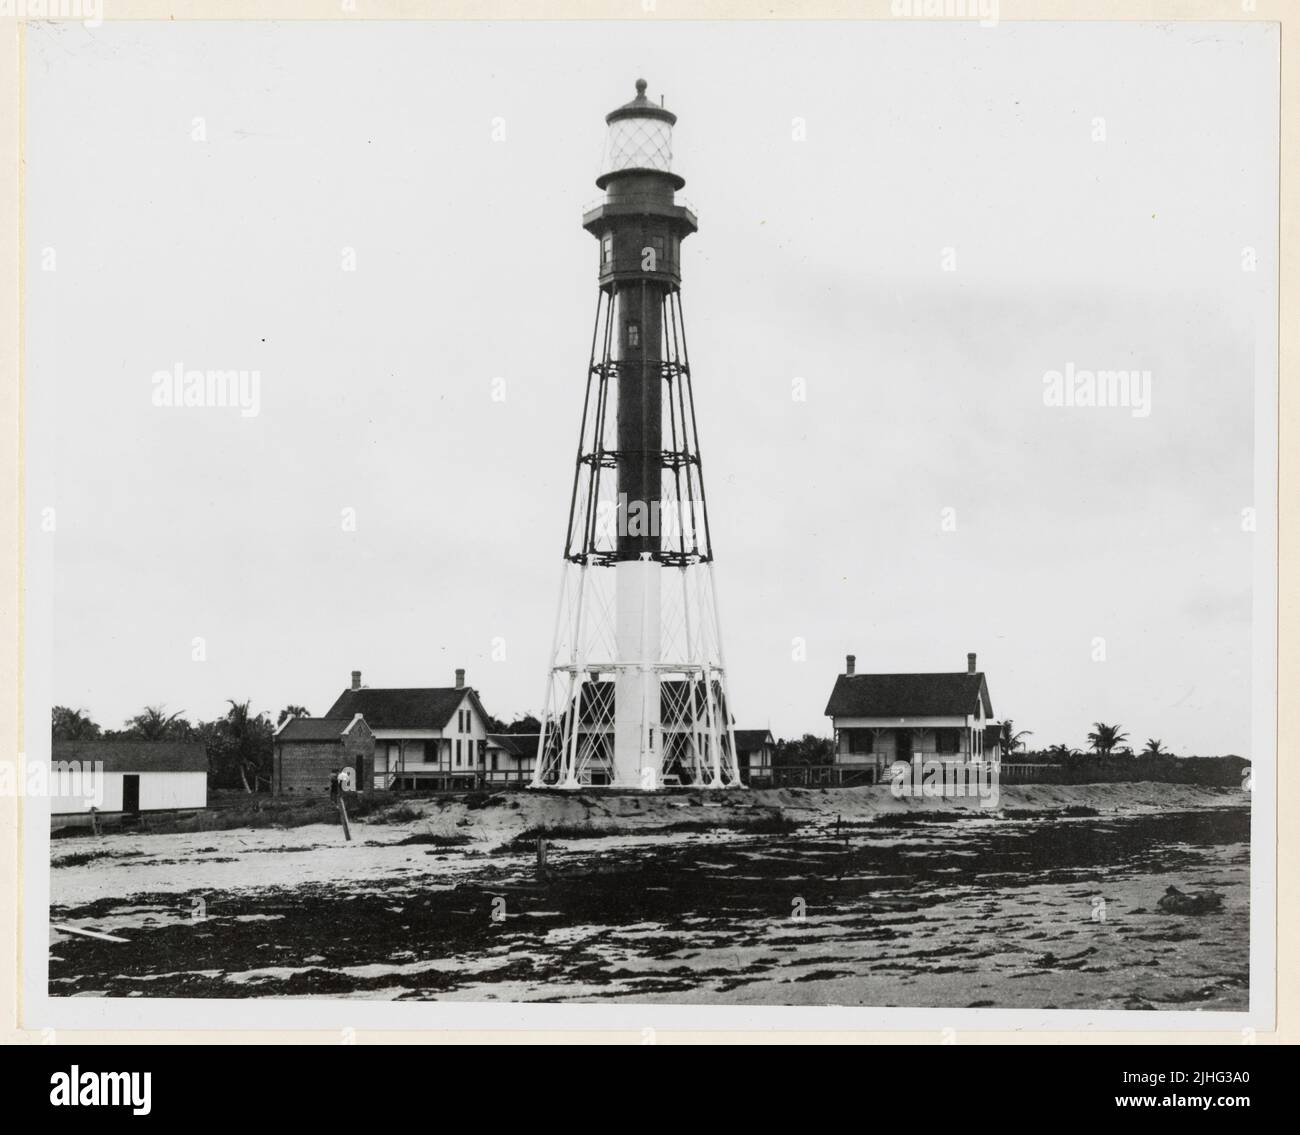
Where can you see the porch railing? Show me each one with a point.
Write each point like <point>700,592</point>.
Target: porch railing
<point>458,780</point>
<point>846,775</point>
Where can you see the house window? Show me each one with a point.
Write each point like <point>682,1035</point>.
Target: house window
<point>494,762</point>
<point>946,741</point>
<point>861,741</point>
<point>458,752</point>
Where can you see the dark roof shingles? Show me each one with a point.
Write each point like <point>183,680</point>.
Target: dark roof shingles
<point>136,756</point>
<point>907,695</point>
<point>521,745</point>
<point>313,729</point>
<point>400,709</point>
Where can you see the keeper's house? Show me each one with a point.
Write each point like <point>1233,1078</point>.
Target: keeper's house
<point>125,778</point>
<point>882,718</point>
<point>307,751</point>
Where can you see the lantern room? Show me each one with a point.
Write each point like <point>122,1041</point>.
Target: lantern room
<point>639,224</point>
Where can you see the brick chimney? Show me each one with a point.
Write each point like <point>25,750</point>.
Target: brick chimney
<point>970,663</point>
<point>356,679</point>
<point>850,662</point>
<point>460,679</point>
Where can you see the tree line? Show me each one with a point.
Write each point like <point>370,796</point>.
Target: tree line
<point>1104,741</point>
<point>238,744</point>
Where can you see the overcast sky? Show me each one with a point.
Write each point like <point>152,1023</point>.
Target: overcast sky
<point>821,259</point>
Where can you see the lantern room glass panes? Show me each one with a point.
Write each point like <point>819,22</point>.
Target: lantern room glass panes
<point>639,143</point>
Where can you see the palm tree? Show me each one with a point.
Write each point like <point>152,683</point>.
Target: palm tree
<point>1061,751</point>
<point>72,725</point>
<point>238,722</point>
<point>242,744</point>
<point>1104,737</point>
<point>291,711</point>
<point>1011,740</point>
<point>1155,747</point>
<point>153,724</point>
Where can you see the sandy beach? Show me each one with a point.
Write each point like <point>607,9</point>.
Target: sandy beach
<point>781,897</point>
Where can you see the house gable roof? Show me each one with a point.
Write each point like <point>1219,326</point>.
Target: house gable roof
<point>315,729</point>
<point>521,745</point>
<point>403,708</point>
<point>748,740</point>
<point>135,756</point>
<point>908,695</point>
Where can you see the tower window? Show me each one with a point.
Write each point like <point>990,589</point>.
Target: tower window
<point>607,247</point>
<point>633,335</point>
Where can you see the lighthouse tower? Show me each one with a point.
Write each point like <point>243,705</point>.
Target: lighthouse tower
<point>636,694</point>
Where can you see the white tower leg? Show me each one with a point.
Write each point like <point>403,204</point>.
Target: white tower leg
<point>637,736</point>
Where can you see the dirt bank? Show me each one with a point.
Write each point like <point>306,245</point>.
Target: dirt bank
<point>571,815</point>
<point>505,816</point>
<point>452,836</point>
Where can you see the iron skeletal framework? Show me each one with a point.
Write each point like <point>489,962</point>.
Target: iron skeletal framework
<point>636,691</point>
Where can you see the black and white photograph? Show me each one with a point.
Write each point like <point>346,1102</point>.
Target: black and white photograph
<point>648,517</point>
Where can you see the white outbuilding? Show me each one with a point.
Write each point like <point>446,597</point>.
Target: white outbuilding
<point>125,778</point>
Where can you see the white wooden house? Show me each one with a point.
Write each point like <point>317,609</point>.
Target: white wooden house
<point>882,718</point>
<point>434,737</point>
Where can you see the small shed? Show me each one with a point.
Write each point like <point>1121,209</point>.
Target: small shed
<point>754,748</point>
<point>309,751</point>
<point>126,778</point>
<point>510,758</point>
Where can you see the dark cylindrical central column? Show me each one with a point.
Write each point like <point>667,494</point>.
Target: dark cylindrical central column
<point>639,310</point>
